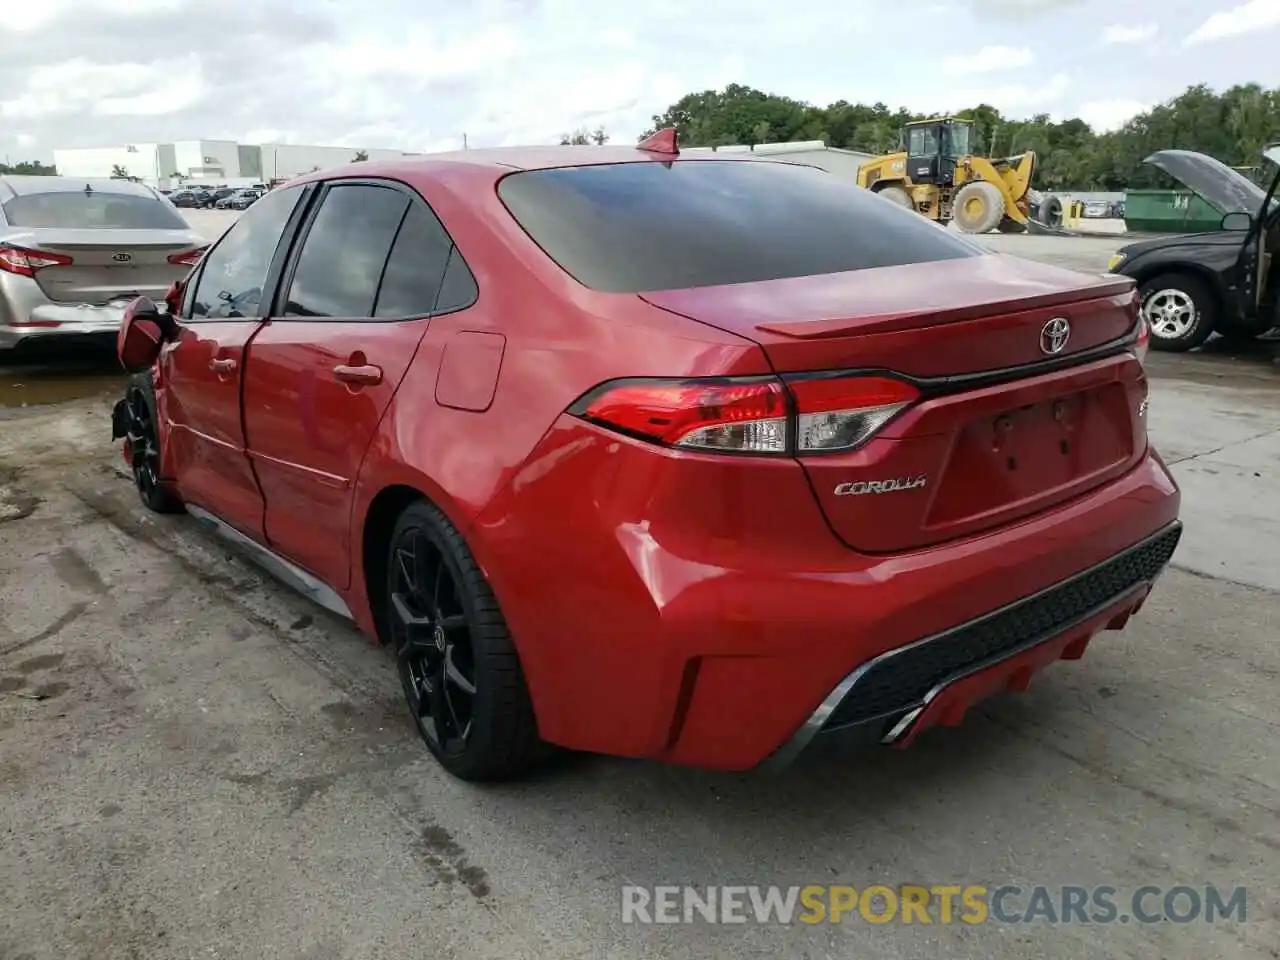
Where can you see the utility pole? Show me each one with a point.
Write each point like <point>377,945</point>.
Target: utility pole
<point>464,141</point>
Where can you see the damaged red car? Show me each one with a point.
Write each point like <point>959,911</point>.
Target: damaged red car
<point>701,458</point>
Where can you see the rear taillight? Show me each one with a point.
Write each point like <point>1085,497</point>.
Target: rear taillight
<point>738,415</point>
<point>25,262</point>
<point>841,412</point>
<point>187,259</point>
<point>759,415</point>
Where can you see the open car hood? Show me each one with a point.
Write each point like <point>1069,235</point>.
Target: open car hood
<point>1229,191</point>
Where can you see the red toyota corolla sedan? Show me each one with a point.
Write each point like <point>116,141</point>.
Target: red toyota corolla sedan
<point>699,458</point>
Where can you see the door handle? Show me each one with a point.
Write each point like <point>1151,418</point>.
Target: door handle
<point>224,365</point>
<point>368,374</point>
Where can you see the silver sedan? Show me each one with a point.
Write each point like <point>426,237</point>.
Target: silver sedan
<point>73,252</point>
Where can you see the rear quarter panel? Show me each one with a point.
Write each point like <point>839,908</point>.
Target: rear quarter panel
<point>560,340</point>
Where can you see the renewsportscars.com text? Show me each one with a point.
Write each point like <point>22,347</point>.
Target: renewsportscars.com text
<point>941,904</point>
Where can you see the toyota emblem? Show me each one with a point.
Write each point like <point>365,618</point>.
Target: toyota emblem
<point>1054,335</point>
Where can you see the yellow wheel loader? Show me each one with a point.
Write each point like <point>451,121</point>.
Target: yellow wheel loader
<point>938,177</point>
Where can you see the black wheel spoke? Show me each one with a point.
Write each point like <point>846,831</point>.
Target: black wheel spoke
<point>439,708</point>
<point>460,727</point>
<point>405,562</point>
<point>417,632</point>
<point>456,622</point>
<point>435,589</point>
<point>455,677</point>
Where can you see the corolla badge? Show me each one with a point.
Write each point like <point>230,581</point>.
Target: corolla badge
<point>859,487</point>
<point>1054,335</point>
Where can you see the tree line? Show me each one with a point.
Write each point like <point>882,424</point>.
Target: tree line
<point>1233,126</point>
<point>28,168</point>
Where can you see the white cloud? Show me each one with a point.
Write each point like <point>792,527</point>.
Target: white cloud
<point>1110,114</point>
<point>1018,99</point>
<point>988,60</point>
<point>1119,33</point>
<point>78,85</point>
<point>1246,18</point>
<point>418,74</point>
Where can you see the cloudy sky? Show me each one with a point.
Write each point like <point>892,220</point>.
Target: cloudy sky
<point>418,74</point>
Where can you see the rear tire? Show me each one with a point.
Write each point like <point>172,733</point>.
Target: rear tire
<point>143,443</point>
<point>1180,311</point>
<point>978,207</point>
<point>458,665</point>
<point>898,195</point>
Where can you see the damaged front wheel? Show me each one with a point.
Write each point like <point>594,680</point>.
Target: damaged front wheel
<point>135,419</point>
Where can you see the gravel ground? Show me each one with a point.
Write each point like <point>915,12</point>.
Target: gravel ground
<point>196,763</point>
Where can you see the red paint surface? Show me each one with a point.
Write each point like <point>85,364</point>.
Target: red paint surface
<point>692,607</point>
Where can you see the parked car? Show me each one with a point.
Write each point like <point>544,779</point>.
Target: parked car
<point>74,253</point>
<point>240,200</point>
<point>1226,281</point>
<point>189,197</point>
<point>699,458</point>
<point>221,193</point>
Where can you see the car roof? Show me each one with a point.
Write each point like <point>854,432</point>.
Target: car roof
<point>493,163</point>
<point>25,185</point>
<point>536,157</point>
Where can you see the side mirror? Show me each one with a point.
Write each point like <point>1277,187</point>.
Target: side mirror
<point>141,336</point>
<point>1237,222</point>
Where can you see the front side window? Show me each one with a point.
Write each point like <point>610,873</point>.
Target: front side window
<point>235,271</point>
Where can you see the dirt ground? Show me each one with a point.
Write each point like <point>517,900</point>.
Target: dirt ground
<point>194,762</point>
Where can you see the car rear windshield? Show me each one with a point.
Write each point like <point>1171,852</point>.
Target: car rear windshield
<point>76,210</point>
<point>631,227</point>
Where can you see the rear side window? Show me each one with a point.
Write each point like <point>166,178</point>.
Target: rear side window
<point>630,227</point>
<point>73,210</point>
<point>415,269</point>
<point>459,288</point>
<point>344,253</point>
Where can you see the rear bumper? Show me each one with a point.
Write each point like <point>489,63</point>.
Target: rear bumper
<point>689,618</point>
<point>894,697</point>
<point>49,323</point>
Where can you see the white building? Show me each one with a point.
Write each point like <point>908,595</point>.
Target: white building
<point>224,162</point>
<point>845,163</point>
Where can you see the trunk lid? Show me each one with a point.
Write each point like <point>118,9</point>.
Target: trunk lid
<point>1003,429</point>
<point>108,265</point>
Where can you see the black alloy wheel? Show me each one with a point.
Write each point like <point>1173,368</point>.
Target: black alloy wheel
<point>431,630</point>
<point>458,665</point>
<point>144,450</point>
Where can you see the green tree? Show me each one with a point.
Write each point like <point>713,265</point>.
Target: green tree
<point>119,173</point>
<point>360,157</point>
<point>1232,125</point>
<point>583,137</point>
<point>29,168</point>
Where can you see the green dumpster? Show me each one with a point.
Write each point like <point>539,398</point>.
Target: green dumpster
<point>1168,211</point>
